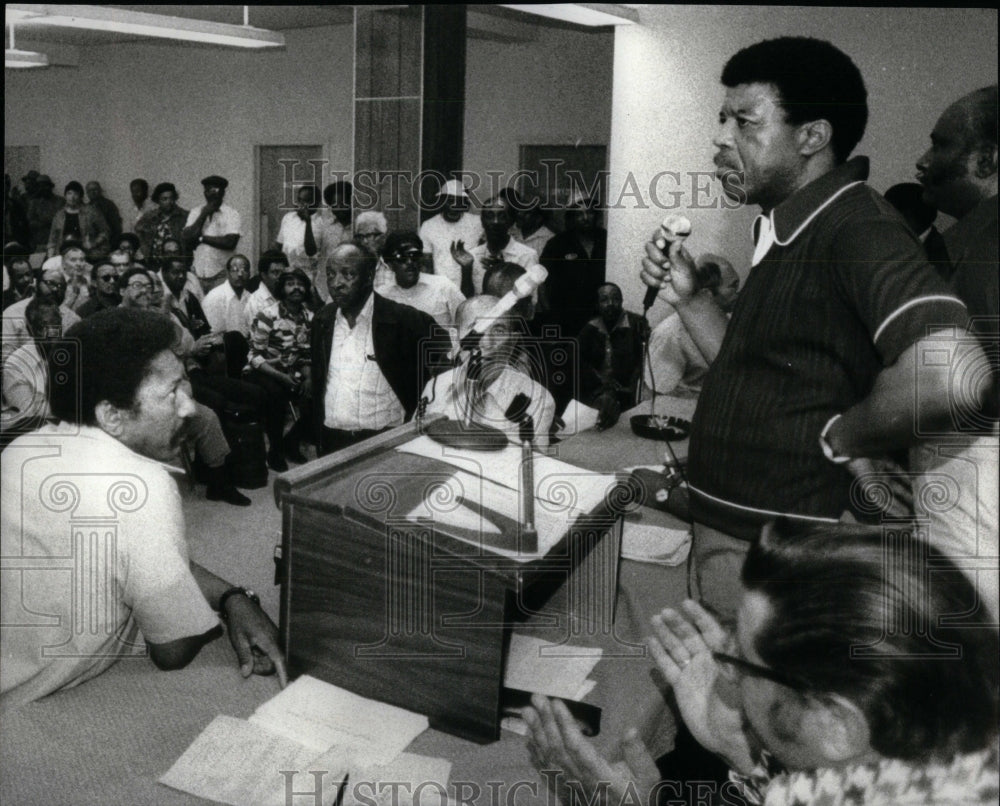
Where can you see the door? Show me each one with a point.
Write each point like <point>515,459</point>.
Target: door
<point>281,171</point>
<point>561,170</point>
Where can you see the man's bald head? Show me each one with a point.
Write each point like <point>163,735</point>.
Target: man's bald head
<point>350,274</point>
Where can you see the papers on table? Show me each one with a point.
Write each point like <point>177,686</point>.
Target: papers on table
<point>409,779</point>
<point>557,484</point>
<point>321,716</point>
<point>237,762</point>
<point>317,734</point>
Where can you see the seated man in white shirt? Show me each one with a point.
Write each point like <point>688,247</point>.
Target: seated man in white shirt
<point>481,389</point>
<point>225,308</point>
<point>302,234</point>
<point>678,366</point>
<point>51,285</point>
<point>122,407</point>
<point>431,293</point>
<point>453,227</point>
<point>272,264</point>
<point>478,262</point>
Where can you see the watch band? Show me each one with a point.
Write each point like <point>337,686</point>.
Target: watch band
<point>238,590</point>
<point>827,448</point>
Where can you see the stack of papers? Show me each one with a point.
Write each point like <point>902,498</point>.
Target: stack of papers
<point>314,734</point>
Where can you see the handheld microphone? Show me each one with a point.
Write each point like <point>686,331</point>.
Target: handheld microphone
<point>673,229</point>
<point>524,287</point>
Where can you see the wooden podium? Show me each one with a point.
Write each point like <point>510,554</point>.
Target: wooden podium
<point>403,610</point>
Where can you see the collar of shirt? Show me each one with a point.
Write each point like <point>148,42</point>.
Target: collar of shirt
<point>364,315</point>
<point>264,295</point>
<point>623,322</point>
<point>794,214</point>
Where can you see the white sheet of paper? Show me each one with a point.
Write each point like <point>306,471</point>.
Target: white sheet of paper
<point>577,417</point>
<point>407,780</point>
<point>545,668</point>
<point>234,761</point>
<point>653,543</point>
<point>321,716</point>
<point>557,484</point>
<point>551,521</point>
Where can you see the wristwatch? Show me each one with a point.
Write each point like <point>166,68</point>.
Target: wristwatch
<point>827,448</point>
<point>236,591</point>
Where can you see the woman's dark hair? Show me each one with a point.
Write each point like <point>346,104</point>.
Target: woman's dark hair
<point>132,238</point>
<point>114,349</point>
<point>857,612</point>
<point>299,274</point>
<point>815,81</point>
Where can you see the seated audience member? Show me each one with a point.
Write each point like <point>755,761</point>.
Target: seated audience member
<point>124,408</point>
<point>482,388</point>
<point>272,264</point>
<point>552,361</point>
<point>611,356</point>
<point>107,208</point>
<point>225,305</point>
<point>908,198</point>
<point>575,260</point>
<point>211,234</point>
<point>814,699</point>
<point>302,235</point>
<point>128,242</point>
<point>433,294</point>
<point>370,230</point>
<point>366,355</point>
<point>476,263</point>
<point>279,363</point>
<point>72,259</point>
<point>166,221</point>
<point>141,204</point>
<point>104,295</point>
<point>138,288</point>
<point>22,280</point>
<point>676,365</point>
<point>79,221</point>
<point>454,227</point>
<point>26,373</point>
<point>50,287</point>
<point>43,204</point>
<point>530,227</point>
<point>122,260</point>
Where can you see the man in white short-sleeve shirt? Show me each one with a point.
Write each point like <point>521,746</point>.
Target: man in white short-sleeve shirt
<point>225,306</point>
<point>93,532</point>
<point>453,225</point>
<point>212,233</point>
<point>436,296</point>
<point>302,235</point>
<point>498,248</point>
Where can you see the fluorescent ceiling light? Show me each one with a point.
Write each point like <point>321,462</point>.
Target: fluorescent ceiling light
<point>21,59</point>
<point>592,14</point>
<point>17,15</point>
<point>139,23</point>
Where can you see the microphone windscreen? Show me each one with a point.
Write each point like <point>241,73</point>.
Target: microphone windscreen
<point>518,407</point>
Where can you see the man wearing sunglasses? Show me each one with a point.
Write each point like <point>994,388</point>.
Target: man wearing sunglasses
<point>51,287</point>
<point>850,678</point>
<point>104,276</point>
<point>434,294</point>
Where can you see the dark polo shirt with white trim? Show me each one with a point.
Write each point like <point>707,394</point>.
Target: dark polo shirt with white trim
<point>842,291</point>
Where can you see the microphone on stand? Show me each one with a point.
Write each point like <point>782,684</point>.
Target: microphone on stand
<point>517,413</point>
<point>675,228</point>
<point>524,287</point>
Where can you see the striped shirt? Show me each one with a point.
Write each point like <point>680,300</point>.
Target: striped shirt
<point>280,338</point>
<point>840,291</point>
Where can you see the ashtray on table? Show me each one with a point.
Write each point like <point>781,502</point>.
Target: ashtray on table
<point>660,427</point>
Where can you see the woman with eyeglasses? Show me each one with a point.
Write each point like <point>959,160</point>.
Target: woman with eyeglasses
<point>855,676</point>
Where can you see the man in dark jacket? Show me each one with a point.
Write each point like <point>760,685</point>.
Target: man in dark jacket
<point>366,355</point>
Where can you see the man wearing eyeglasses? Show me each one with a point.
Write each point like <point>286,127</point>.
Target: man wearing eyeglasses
<point>51,287</point>
<point>433,294</point>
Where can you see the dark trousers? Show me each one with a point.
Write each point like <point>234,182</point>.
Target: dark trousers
<point>334,439</point>
<point>276,397</point>
<point>222,393</point>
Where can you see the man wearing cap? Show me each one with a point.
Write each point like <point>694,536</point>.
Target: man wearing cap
<point>498,248</point>
<point>43,204</point>
<point>141,204</point>
<point>453,226</point>
<point>79,221</point>
<point>107,208</point>
<point>576,263</point>
<point>433,294</point>
<point>165,221</point>
<point>212,233</point>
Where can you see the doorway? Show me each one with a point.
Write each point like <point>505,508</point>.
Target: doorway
<point>281,171</point>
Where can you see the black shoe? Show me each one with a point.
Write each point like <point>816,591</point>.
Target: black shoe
<point>294,453</point>
<point>276,461</point>
<point>227,493</point>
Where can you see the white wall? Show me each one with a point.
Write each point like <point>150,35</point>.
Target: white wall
<point>667,96</point>
<point>173,113</point>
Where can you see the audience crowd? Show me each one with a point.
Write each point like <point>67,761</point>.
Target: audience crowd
<point>819,407</point>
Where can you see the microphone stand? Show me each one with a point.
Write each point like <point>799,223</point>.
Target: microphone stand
<point>529,534</point>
